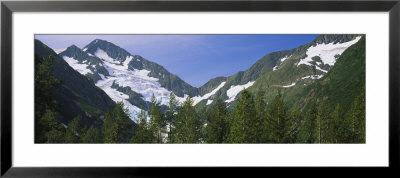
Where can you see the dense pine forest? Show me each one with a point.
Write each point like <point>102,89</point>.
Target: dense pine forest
<point>251,121</point>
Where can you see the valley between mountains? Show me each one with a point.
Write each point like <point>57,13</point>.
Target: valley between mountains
<point>314,93</point>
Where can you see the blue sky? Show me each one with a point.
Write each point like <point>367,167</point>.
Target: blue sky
<point>194,58</point>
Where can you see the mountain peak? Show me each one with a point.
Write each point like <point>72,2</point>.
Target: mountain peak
<point>109,48</point>
<point>95,41</point>
<point>74,52</point>
<point>74,47</point>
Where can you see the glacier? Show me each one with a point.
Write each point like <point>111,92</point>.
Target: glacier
<point>138,80</point>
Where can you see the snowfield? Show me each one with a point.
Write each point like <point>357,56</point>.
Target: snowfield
<point>326,52</point>
<point>197,99</point>
<point>103,55</point>
<point>137,80</point>
<point>81,68</point>
<point>234,90</point>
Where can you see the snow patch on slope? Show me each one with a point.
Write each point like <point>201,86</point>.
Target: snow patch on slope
<point>312,77</point>
<point>103,55</point>
<point>327,52</point>
<point>81,68</point>
<point>287,86</point>
<point>197,99</point>
<point>318,68</point>
<point>282,60</point>
<point>234,90</point>
<point>276,67</point>
<point>127,60</point>
<point>209,102</point>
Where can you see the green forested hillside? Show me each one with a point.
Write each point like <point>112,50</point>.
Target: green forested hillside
<point>77,95</point>
<point>342,84</point>
<point>279,69</point>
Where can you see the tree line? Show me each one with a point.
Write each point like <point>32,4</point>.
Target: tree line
<point>250,121</point>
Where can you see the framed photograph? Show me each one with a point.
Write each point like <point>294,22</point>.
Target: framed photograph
<point>104,88</point>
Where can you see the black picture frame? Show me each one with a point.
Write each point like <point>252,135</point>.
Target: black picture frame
<point>8,7</point>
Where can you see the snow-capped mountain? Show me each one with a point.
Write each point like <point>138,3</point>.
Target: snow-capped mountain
<point>133,79</point>
<point>288,70</point>
<point>125,78</point>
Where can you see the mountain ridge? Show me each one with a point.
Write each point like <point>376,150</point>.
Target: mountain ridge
<point>277,71</point>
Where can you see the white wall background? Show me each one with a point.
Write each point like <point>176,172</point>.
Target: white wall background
<point>373,153</point>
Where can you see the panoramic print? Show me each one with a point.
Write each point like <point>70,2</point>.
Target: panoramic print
<point>202,89</point>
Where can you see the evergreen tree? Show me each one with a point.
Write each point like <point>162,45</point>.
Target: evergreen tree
<point>338,128</point>
<point>172,110</point>
<point>229,123</point>
<point>45,84</point>
<point>243,124</point>
<point>322,122</point>
<point>91,135</point>
<point>73,130</point>
<point>123,124</point>
<point>311,124</point>
<point>117,127</point>
<point>142,132</point>
<point>260,115</point>
<point>204,114</point>
<point>108,134</point>
<point>358,118</point>
<point>276,122</point>
<point>50,130</point>
<point>352,128</point>
<point>217,123</point>
<point>294,124</point>
<point>188,124</point>
<point>157,120</point>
